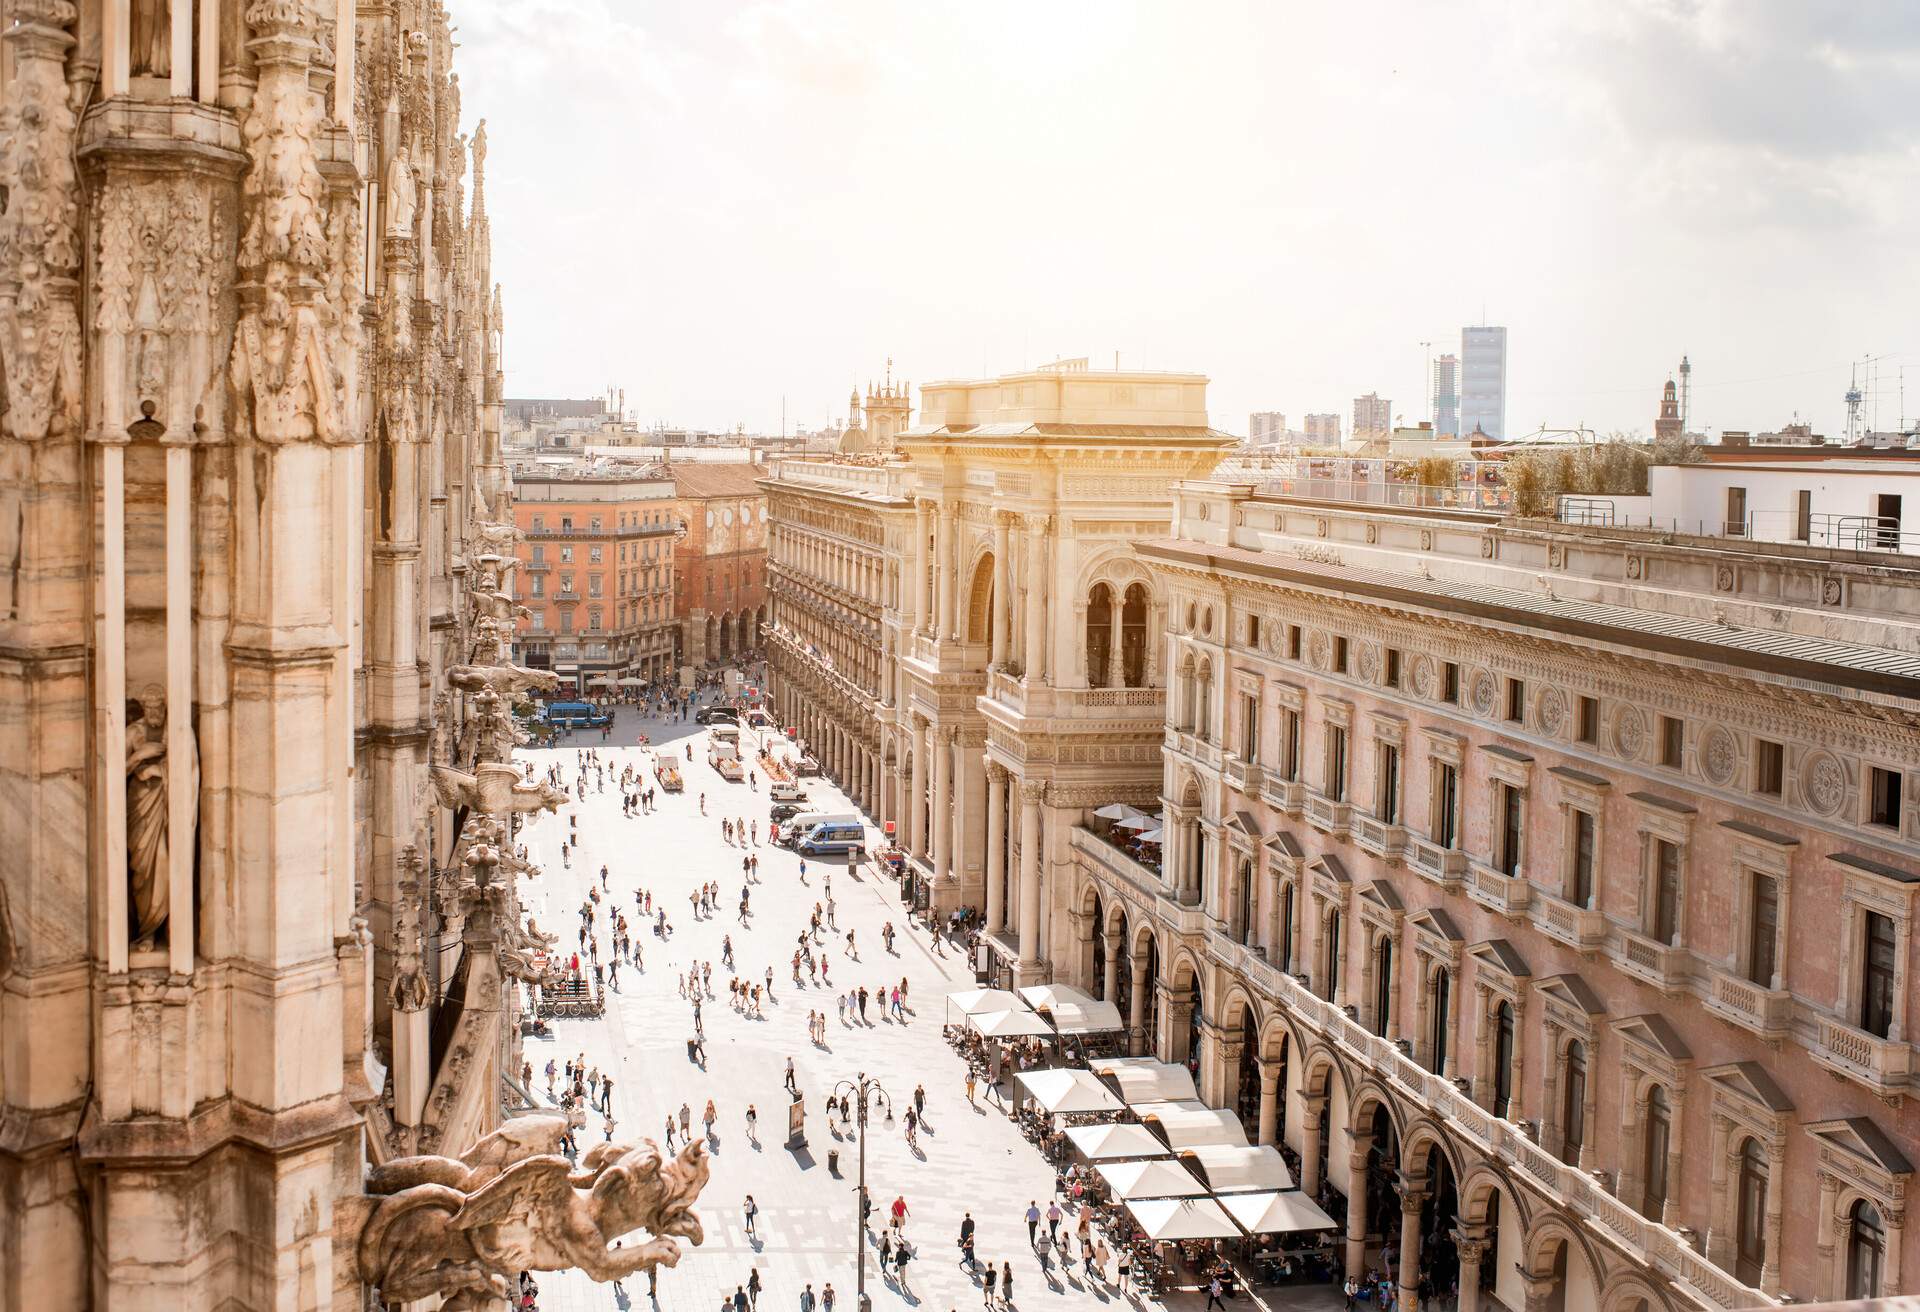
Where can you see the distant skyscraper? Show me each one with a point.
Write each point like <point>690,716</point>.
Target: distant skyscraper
<point>1446,396</point>
<point>1266,426</point>
<point>1372,418</point>
<point>1323,430</point>
<point>1483,381</point>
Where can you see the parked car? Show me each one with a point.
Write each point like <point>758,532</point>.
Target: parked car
<point>780,812</point>
<point>717,715</point>
<point>802,823</point>
<point>782,791</point>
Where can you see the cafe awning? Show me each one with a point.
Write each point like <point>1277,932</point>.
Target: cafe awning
<point>1166,1219</point>
<point>1068,1091</point>
<point>1111,1143</point>
<point>1092,1018</point>
<point>1042,997</point>
<point>1142,1079</point>
<point>1229,1169</point>
<point>1008,1024</point>
<point>968,1001</point>
<point>1276,1213</point>
<point>631,682</point>
<point>1160,1178</point>
<point>1189,1123</point>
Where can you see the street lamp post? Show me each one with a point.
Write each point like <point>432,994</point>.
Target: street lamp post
<point>867,1090</point>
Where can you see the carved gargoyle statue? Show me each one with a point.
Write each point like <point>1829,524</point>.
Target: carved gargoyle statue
<point>493,787</point>
<point>497,605</point>
<point>506,680</point>
<point>464,1227</point>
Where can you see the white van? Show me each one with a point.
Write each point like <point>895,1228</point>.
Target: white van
<point>832,838</point>
<point>796,828</point>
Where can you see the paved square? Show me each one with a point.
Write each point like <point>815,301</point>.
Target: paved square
<point>968,1159</point>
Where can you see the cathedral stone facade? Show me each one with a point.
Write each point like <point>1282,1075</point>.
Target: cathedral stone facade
<point>253,930</point>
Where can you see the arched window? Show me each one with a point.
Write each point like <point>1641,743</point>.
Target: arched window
<point>1750,1226</point>
<point>1382,985</point>
<point>1442,1017</point>
<point>1203,710</point>
<point>1656,1143</point>
<point>1573,1104</point>
<point>1866,1250</point>
<point>1284,949</point>
<point>1503,1037</point>
<point>1100,636</point>
<point>1186,695</point>
<point>1133,637</point>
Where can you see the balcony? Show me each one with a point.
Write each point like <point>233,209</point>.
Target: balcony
<point>1883,1065</point>
<point>566,596</point>
<point>1242,776</point>
<point>1662,965</point>
<point>1445,866</point>
<point>1378,837</point>
<point>1580,928</point>
<point>536,566</point>
<point>1327,815</point>
<point>1506,894</point>
<point>1288,796</point>
<point>1767,1012</point>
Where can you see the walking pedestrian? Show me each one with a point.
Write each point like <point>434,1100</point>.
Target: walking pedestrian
<point>826,1297</point>
<point>966,1240</point>
<point>791,1086</point>
<point>1006,1283</point>
<point>686,1122</point>
<point>1033,1224</point>
<point>992,1279</point>
<point>753,1288</point>
<point>1053,1220</point>
<point>807,1301</point>
<point>752,1210</point>
<point>740,1301</point>
<point>1213,1295</point>
<point>753,1124</point>
<point>900,1213</point>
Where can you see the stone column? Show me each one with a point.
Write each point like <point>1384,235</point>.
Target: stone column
<point>1031,793</point>
<point>922,779</point>
<point>943,802</point>
<point>1411,1201</point>
<point>949,571</point>
<point>1357,1206</point>
<point>1137,1009</point>
<point>969,820</point>
<point>996,900</point>
<point>1472,1251</point>
<point>1037,664</point>
<point>1002,593</point>
<point>1313,1109</point>
<point>1269,1101</point>
<point>1110,979</point>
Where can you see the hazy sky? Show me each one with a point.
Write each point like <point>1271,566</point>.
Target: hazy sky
<point>718,204</point>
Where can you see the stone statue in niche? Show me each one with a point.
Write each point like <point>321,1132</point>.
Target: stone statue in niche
<point>403,195</point>
<point>152,39</point>
<point>148,841</point>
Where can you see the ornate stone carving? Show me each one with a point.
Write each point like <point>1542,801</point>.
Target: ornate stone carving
<point>148,839</point>
<point>1421,676</point>
<point>503,680</point>
<point>493,787</point>
<point>410,991</point>
<point>1719,755</point>
<point>1480,693</point>
<point>1368,661</point>
<point>1550,710</point>
<point>463,1228</point>
<point>1319,649</point>
<point>403,196</point>
<point>1824,781</point>
<point>1629,732</point>
<point>41,390</point>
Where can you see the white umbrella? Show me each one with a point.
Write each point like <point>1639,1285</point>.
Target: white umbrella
<point>633,683</point>
<point>1143,1079</point>
<point>1154,834</point>
<point>1239,1170</point>
<point>1008,1024</point>
<point>1276,1213</point>
<point>1118,811</point>
<point>1166,1219</point>
<point>969,1001</point>
<point>1152,1179</point>
<point>1068,1091</point>
<point>1090,1018</point>
<point>1138,821</point>
<point>1105,1143</point>
<point>1043,996</point>
<point>1188,1124</point>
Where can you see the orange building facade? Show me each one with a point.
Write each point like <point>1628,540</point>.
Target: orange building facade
<point>596,574</point>
<point>720,565</point>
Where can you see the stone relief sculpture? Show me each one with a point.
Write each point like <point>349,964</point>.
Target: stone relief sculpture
<point>152,32</point>
<point>410,991</point>
<point>147,821</point>
<point>403,196</point>
<point>463,1228</point>
<point>41,390</point>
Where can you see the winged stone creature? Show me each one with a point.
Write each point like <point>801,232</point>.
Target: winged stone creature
<point>497,605</point>
<point>506,680</point>
<point>463,1227</point>
<point>493,787</point>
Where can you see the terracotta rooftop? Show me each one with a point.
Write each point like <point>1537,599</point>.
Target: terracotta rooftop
<point>700,479</point>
